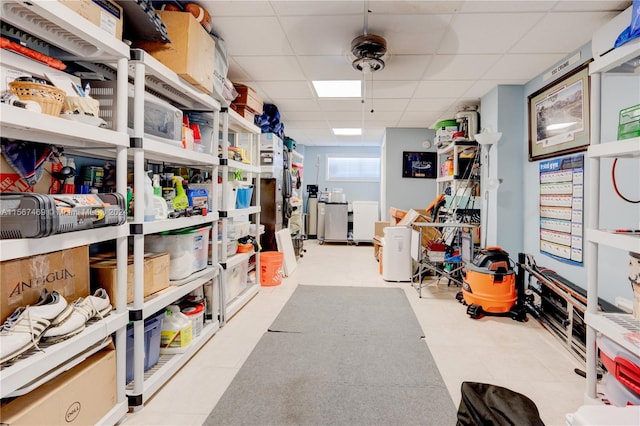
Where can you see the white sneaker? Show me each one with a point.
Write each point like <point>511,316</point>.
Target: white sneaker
<point>84,309</point>
<point>23,329</point>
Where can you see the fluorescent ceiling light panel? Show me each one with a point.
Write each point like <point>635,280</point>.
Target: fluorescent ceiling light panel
<point>338,88</point>
<point>347,132</point>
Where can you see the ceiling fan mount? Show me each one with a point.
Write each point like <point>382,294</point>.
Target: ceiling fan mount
<point>368,50</point>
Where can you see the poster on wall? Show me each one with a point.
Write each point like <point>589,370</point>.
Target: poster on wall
<point>561,208</point>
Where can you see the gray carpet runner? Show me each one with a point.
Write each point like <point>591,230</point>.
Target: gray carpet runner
<point>339,356</point>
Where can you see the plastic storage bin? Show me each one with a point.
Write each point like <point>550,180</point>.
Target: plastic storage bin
<point>188,249</point>
<point>236,280</point>
<point>271,271</point>
<point>152,328</point>
<point>196,314</point>
<point>620,363</point>
<point>243,197</point>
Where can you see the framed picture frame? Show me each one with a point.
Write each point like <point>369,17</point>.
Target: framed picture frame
<point>559,116</point>
<point>416,164</point>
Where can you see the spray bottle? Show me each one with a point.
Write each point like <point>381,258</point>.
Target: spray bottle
<point>149,210</point>
<point>181,201</point>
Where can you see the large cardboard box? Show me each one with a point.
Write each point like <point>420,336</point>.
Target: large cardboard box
<point>156,275</point>
<point>22,280</point>
<point>378,235</point>
<point>248,98</point>
<point>80,396</point>
<point>106,14</point>
<point>417,216</point>
<point>191,53</point>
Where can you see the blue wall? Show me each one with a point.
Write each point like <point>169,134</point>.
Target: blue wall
<point>315,163</point>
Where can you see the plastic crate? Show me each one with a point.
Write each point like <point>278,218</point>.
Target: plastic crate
<point>152,329</point>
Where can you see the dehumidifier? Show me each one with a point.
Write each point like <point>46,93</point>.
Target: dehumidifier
<point>489,284</point>
<point>396,254</point>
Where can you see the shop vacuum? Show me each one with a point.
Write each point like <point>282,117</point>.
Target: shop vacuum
<point>490,286</point>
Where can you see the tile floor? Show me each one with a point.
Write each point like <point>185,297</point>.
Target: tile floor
<point>523,357</point>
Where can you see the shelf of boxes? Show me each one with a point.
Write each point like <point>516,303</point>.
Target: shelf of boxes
<point>622,61</point>
<point>54,24</point>
<point>233,123</point>
<point>149,74</point>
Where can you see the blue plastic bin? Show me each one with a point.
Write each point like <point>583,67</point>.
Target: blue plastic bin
<point>243,197</point>
<point>152,329</point>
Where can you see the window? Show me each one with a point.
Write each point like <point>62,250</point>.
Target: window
<point>353,168</point>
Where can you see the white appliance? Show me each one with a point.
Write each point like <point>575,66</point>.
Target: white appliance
<point>396,254</point>
<point>365,216</point>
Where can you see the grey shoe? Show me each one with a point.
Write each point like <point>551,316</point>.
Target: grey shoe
<point>84,309</point>
<point>24,328</point>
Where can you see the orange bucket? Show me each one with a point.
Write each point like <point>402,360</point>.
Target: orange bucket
<point>271,268</point>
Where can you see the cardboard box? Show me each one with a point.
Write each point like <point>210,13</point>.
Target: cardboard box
<point>244,111</point>
<point>82,395</point>
<point>10,181</point>
<point>417,216</point>
<point>247,97</point>
<point>22,280</point>
<point>105,14</point>
<point>156,275</point>
<point>191,53</point>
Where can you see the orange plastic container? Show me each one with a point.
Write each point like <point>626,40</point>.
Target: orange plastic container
<point>490,282</point>
<point>271,268</point>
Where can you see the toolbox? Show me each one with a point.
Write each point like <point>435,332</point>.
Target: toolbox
<point>32,215</point>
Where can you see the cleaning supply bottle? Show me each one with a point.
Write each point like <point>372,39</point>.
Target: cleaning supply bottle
<point>177,331</point>
<point>181,201</point>
<point>149,209</point>
<point>157,189</point>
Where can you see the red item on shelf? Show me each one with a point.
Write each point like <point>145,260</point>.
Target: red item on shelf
<point>5,43</point>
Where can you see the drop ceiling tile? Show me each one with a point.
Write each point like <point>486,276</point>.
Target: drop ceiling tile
<point>314,8</point>
<point>485,33</point>
<point>442,89</point>
<point>340,105</point>
<point>287,89</point>
<point>307,105</point>
<point>235,72</point>
<point>308,124</point>
<point>434,104</point>
<point>218,9</point>
<point>410,34</point>
<point>392,89</point>
<point>521,68</point>
<point>589,5</point>
<point>382,116</point>
<point>321,35</point>
<point>353,115</point>
<point>391,105</point>
<point>492,6</point>
<point>482,87</point>
<point>414,7</point>
<point>553,34</point>
<point>403,67</point>
<point>299,115</point>
<point>461,67</point>
<point>253,36</point>
<point>424,117</point>
<point>274,68</point>
<point>328,67</point>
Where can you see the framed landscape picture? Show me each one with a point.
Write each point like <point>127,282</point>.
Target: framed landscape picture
<point>559,116</point>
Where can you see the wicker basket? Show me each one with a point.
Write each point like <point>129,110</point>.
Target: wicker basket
<point>49,98</point>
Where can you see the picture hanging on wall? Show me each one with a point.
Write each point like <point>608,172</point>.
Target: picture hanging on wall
<point>419,164</point>
<point>559,116</point>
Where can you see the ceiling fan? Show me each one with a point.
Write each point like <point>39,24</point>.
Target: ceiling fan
<point>368,50</point>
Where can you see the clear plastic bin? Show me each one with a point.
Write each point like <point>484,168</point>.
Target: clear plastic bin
<point>188,249</point>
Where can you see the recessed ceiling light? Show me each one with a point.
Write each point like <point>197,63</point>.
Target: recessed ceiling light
<point>338,88</point>
<point>347,132</point>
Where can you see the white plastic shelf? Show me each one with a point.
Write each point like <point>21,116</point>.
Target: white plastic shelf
<point>240,212</point>
<point>237,165</point>
<point>626,148</point>
<point>176,290</point>
<point>14,249</point>
<point>239,124</point>
<point>237,258</point>
<point>615,327</point>
<point>166,82</point>
<point>168,365</point>
<point>19,123</point>
<point>233,306</point>
<point>619,60</point>
<point>30,368</point>
<point>156,150</point>
<point>622,241</point>
<point>60,26</point>
<point>156,226</point>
